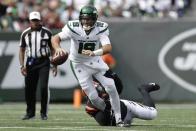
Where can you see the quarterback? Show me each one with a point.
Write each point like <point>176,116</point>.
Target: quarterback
<point>129,109</point>
<point>89,41</point>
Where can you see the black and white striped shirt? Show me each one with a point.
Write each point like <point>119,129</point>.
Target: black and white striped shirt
<point>37,43</point>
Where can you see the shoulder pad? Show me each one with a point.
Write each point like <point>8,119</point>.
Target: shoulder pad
<point>101,24</point>
<point>73,24</point>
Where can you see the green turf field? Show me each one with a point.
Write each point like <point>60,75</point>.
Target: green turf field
<point>62,117</point>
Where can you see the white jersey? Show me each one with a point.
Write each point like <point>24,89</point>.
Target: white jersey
<point>80,40</point>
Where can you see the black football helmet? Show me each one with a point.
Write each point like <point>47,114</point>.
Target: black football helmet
<point>88,12</point>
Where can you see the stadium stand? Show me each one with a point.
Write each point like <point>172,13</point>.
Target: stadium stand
<point>14,13</point>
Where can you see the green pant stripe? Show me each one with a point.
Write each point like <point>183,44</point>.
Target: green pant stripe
<point>71,64</point>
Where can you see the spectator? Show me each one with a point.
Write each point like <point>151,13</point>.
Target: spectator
<point>24,8</point>
<point>78,4</point>
<point>69,14</point>
<point>57,12</point>
<point>51,17</point>
<point>109,8</point>
<point>52,20</point>
<point>3,8</point>
<point>146,7</point>
<point>7,20</point>
<point>162,7</point>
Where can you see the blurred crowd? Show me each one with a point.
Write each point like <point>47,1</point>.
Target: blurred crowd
<point>55,13</point>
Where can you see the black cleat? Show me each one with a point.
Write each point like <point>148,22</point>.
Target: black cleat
<point>149,87</point>
<point>44,117</point>
<point>28,117</point>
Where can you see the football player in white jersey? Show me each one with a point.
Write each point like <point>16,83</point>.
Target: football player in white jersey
<point>89,40</point>
<point>129,109</point>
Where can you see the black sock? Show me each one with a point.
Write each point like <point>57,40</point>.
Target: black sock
<point>147,100</point>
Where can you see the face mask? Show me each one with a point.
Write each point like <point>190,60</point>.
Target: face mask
<point>86,27</point>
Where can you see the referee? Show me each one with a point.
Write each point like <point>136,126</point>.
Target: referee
<point>35,49</point>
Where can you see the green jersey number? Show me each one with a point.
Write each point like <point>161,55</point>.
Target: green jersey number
<point>86,46</point>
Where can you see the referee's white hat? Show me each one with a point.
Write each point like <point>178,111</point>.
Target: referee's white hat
<point>34,15</point>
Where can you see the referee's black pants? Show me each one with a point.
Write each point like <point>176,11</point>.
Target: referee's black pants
<point>37,72</point>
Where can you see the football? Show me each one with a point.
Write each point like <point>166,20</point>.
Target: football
<point>59,59</point>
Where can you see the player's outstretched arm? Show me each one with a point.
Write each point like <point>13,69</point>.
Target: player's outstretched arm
<point>56,45</point>
<point>55,42</point>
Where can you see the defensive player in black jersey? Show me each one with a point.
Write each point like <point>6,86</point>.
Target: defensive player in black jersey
<point>129,109</point>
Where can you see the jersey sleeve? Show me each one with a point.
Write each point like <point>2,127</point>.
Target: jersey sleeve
<point>103,33</point>
<point>103,28</point>
<point>104,39</point>
<point>65,33</point>
<point>106,31</point>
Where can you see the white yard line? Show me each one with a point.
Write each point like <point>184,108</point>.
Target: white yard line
<point>83,128</point>
<point>52,122</point>
<point>176,106</point>
<point>171,125</point>
<point>67,128</point>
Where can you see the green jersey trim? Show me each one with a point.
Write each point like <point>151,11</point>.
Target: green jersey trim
<point>102,31</point>
<point>71,64</point>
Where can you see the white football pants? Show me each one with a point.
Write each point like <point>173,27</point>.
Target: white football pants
<point>85,73</point>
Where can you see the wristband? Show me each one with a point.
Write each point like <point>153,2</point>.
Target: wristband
<point>98,52</point>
